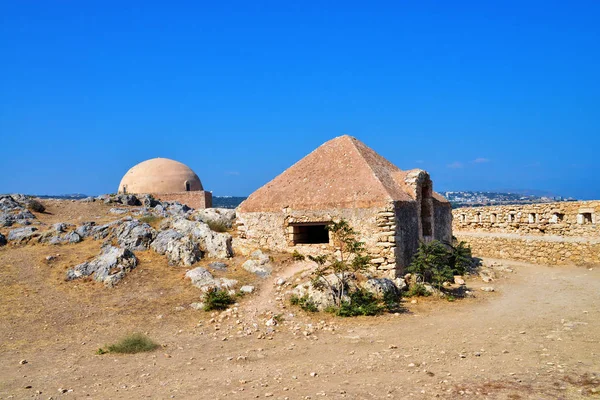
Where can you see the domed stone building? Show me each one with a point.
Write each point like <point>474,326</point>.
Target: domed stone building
<point>167,180</point>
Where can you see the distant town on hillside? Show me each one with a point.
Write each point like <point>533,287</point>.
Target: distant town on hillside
<point>474,199</point>
<point>463,198</point>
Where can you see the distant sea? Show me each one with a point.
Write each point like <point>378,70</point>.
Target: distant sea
<point>218,201</point>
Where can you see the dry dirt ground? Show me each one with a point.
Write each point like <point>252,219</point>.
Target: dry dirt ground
<point>536,337</point>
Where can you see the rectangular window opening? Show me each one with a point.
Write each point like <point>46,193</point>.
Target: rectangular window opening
<point>585,218</point>
<point>557,218</point>
<point>310,233</point>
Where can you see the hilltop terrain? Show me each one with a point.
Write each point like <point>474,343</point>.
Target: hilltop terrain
<point>534,336</point>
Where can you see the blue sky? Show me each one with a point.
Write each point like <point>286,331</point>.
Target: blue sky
<point>483,95</point>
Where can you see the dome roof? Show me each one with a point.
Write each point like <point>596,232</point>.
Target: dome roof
<point>160,175</point>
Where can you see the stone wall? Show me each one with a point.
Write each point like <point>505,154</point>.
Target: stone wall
<point>273,231</point>
<point>548,233</point>
<point>194,199</point>
<point>391,233</point>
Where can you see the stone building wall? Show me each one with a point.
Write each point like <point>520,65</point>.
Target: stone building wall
<point>547,233</point>
<point>376,227</point>
<point>194,199</point>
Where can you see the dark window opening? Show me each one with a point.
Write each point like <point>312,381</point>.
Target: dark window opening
<point>187,186</point>
<point>311,233</point>
<point>426,211</point>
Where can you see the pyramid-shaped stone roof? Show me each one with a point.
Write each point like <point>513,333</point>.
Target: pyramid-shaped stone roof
<point>341,173</point>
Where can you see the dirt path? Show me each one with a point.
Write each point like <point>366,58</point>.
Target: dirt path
<point>265,301</point>
<point>536,337</point>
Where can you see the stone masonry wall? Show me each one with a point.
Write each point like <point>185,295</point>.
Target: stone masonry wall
<point>376,228</point>
<point>548,233</point>
<point>194,199</point>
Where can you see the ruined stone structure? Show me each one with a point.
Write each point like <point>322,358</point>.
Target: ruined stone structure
<point>167,180</point>
<point>344,179</point>
<point>548,233</point>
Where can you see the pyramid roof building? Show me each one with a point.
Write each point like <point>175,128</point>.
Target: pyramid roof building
<point>341,173</point>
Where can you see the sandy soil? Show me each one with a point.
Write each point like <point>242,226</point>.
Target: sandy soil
<point>536,337</point>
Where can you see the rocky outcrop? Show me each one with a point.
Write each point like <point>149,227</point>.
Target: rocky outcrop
<point>259,264</point>
<point>13,209</point>
<point>213,244</point>
<point>183,251</point>
<point>381,287</point>
<point>163,239</point>
<point>22,235</point>
<point>2,240</point>
<point>135,235</point>
<point>219,216</point>
<point>84,230</point>
<point>109,267</point>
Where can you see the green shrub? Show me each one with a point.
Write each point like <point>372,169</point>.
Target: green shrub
<point>34,205</point>
<point>461,258</point>
<point>216,299</point>
<point>304,303</point>
<point>217,226</point>
<point>361,303</point>
<point>437,263</point>
<point>418,290</point>
<point>297,256</point>
<point>134,343</point>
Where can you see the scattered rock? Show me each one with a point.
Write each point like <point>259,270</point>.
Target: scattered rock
<point>2,240</point>
<point>259,264</point>
<point>486,275</point>
<point>204,280</point>
<point>487,289</point>
<point>118,211</point>
<point>85,229</point>
<point>23,362</point>
<point>458,280</point>
<point>24,234</point>
<point>197,306</point>
<point>109,267</point>
<point>247,289</point>
<point>134,235</point>
<point>218,266</point>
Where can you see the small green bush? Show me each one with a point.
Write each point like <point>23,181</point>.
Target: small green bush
<point>216,299</point>
<point>297,256</point>
<point>361,303</point>
<point>34,205</point>
<point>418,290</point>
<point>304,303</point>
<point>217,226</point>
<point>135,343</point>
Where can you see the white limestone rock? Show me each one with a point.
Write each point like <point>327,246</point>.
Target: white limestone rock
<point>109,267</point>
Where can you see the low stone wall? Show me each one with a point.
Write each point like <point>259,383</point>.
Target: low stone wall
<point>194,199</point>
<point>549,233</point>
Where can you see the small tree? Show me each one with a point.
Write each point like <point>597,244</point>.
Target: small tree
<point>349,258</point>
<point>432,263</point>
<point>461,258</point>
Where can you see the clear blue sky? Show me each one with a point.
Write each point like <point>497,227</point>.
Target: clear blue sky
<point>484,95</point>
